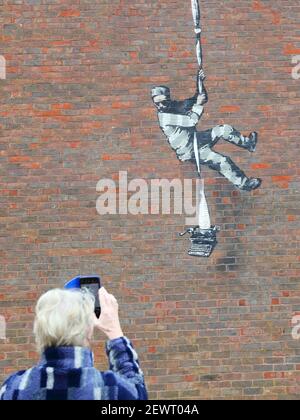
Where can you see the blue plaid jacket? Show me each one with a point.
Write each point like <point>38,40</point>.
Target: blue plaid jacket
<point>68,373</point>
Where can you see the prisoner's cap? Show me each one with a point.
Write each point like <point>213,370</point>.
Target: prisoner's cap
<point>160,91</point>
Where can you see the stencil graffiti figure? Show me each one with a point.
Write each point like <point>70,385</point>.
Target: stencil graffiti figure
<point>178,120</point>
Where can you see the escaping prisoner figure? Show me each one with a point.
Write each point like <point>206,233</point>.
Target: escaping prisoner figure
<point>178,120</point>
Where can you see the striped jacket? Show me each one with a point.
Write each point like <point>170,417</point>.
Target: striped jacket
<point>68,373</point>
<point>179,126</point>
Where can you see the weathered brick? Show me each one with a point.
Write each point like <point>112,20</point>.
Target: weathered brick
<point>75,108</point>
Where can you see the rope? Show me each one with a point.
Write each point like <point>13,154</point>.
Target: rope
<point>204,217</point>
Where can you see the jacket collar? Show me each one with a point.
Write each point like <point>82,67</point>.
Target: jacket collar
<point>67,357</point>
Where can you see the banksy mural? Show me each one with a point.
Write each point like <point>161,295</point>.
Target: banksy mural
<point>178,121</point>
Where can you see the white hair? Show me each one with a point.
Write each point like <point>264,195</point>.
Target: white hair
<point>63,318</point>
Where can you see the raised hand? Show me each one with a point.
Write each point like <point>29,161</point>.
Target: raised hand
<point>109,322</point>
<point>201,75</point>
<point>202,99</point>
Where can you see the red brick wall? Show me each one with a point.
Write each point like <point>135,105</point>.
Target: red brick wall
<point>75,108</point>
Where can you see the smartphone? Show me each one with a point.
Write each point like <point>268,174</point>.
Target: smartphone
<point>93,284</point>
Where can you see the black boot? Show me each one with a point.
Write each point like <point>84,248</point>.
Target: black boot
<point>253,139</point>
<point>251,184</point>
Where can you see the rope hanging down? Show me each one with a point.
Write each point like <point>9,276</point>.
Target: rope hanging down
<point>197,23</point>
<point>204,217</point>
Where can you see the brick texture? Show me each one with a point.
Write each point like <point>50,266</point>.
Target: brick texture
<point>75,108</point>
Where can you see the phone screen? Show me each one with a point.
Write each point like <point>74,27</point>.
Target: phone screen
<point>93,286</point>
